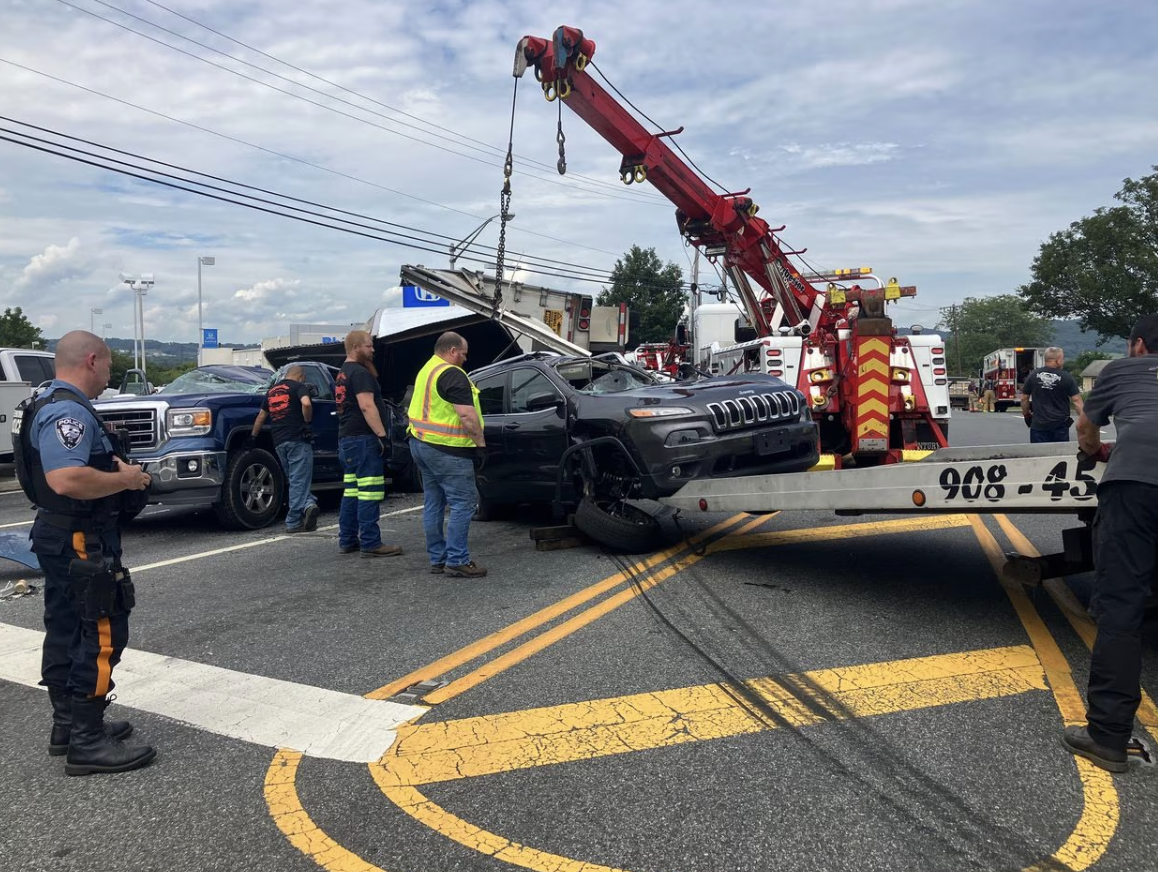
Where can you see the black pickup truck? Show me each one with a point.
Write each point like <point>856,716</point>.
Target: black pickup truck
<point>597,433</point>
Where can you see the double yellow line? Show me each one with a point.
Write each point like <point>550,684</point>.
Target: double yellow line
<point>678,557</point>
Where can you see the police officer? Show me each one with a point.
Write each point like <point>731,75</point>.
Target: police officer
<point>69,467</point>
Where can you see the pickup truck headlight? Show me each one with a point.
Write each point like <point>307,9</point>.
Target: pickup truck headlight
<point>188,422</point>
<point>660,412</point>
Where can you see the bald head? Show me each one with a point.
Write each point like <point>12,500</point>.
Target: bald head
<point>83,359</point>
<point>74,347</point>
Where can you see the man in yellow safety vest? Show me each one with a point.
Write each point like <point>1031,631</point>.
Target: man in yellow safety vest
<point>446,437</point>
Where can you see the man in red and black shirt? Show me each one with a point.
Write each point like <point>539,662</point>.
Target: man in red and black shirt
<point>362,446</point>
<point>288,407</point>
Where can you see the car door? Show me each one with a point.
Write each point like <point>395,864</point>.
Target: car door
<point>492,396</point>
<point>534,436</point>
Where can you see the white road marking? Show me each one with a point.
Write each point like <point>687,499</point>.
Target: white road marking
<point>17,524</point>
<point>265,711</point>
<point>245,545</point>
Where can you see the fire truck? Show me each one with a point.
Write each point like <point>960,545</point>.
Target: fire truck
<point>873,395</point>
<point>1007,368</point>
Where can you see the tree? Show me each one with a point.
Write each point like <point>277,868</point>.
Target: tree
<point>982,324</point>
<point>652,290</point>
<point>16,331</point>
<point>1103,269</point>
<point>1079,363</point>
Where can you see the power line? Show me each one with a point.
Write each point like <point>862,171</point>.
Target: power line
<point>320,105</point>
<point>538,266</point>
<point>279,154</point>
<point>468,139</point>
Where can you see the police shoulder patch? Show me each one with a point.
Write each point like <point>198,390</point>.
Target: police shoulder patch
<point>69,431</point>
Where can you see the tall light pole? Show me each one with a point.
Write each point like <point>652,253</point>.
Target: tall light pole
<point>463,244</point>
<point>105,328</point>
<point>92,313</point>
<point>206,261</point>
<point>140,288</point>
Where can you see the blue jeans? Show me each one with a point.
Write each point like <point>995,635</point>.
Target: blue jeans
<point>446,481</point>
<point>1060,433</point>
<point>297,459</point>
<point>365,488</point>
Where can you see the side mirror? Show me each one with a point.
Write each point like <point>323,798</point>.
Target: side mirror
<point>544,401</point>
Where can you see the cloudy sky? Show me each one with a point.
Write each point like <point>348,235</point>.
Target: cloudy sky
<point>937,142</point>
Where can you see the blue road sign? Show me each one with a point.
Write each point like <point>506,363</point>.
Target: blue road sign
<point>209,337</point>
<point>417,298</point>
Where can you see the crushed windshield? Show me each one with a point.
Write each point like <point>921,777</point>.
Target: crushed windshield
<point>207,381</point>
<point>595,377</point>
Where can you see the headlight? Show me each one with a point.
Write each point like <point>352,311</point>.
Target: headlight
<point>660,412</point>
<point>188,422</point>
<point>805,412</point>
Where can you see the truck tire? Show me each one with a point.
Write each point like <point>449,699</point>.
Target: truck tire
<point>253,492</point>
<point>618,525</point>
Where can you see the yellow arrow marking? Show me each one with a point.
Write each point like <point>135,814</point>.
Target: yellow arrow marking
<point>470,747</point>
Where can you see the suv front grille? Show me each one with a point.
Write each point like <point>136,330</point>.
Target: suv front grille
<point>141,424</point>
<point>752,410</point>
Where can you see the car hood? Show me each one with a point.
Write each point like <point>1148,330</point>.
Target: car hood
<point>707,390</point>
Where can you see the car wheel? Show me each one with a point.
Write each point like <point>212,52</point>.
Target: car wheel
<point>617,524</point>
<point>486,511</point>
<point>253,492</point>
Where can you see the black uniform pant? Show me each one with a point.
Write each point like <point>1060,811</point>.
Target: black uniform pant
<point>79,654</point>
<point>1125,552</point>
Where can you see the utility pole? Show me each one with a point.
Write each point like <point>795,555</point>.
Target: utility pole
<point>956,336</point>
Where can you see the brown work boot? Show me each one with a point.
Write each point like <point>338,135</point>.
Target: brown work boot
<point>1077,741</point>
<point>469,570</point>
<point>383,551</point>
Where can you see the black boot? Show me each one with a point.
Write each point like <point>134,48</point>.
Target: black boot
<point>62,723</point>
<point>90,750</point>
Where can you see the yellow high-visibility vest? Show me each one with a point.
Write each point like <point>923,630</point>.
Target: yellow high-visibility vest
<point>433,419</point>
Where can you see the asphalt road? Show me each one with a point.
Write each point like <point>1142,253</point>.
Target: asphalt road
<point>795,692</point>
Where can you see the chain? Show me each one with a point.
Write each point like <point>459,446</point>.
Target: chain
<point>561,139</point>
<point>505,209</point>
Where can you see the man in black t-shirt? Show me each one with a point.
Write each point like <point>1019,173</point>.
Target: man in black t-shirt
<point>288,407</point>
<point>362,446</point>
<point>1045,399</point>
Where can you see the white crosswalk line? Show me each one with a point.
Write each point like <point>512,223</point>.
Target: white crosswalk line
<point>265,711</point>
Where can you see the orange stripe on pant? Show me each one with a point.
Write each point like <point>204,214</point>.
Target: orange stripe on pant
<point>104,630</point>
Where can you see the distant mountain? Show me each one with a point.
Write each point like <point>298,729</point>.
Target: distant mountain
<point>1073,341</point>
<point>170,353</point>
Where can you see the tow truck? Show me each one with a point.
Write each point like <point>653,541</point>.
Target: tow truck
<point>862,380</point>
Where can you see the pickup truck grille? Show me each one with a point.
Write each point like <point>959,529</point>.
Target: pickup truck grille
<point>750,411</point>
<point>141,424</point>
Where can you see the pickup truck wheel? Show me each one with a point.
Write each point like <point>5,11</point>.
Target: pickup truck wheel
<point>619,525</point>
<point>253,492</point>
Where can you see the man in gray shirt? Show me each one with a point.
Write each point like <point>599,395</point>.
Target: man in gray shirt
<point>1125,544</point>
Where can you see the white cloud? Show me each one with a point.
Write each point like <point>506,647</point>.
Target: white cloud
<point>938,142</point>
<point>57,263</point>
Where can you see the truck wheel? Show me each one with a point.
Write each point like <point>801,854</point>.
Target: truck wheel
<point>253,492</point>
<point>619,525</point>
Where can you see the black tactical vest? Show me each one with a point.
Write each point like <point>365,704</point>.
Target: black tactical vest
<point>57,509</point>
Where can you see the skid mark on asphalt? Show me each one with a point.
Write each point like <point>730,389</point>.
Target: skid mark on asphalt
<point>944,684</point>
<point>1100,810</point>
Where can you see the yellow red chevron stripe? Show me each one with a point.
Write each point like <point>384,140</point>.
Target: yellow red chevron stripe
<point>872,389</point>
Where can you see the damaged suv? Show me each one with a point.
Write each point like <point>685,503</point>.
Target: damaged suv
<point>598,433</point>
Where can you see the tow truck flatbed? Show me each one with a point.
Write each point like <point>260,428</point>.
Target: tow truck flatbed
<point>1041,478</point>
